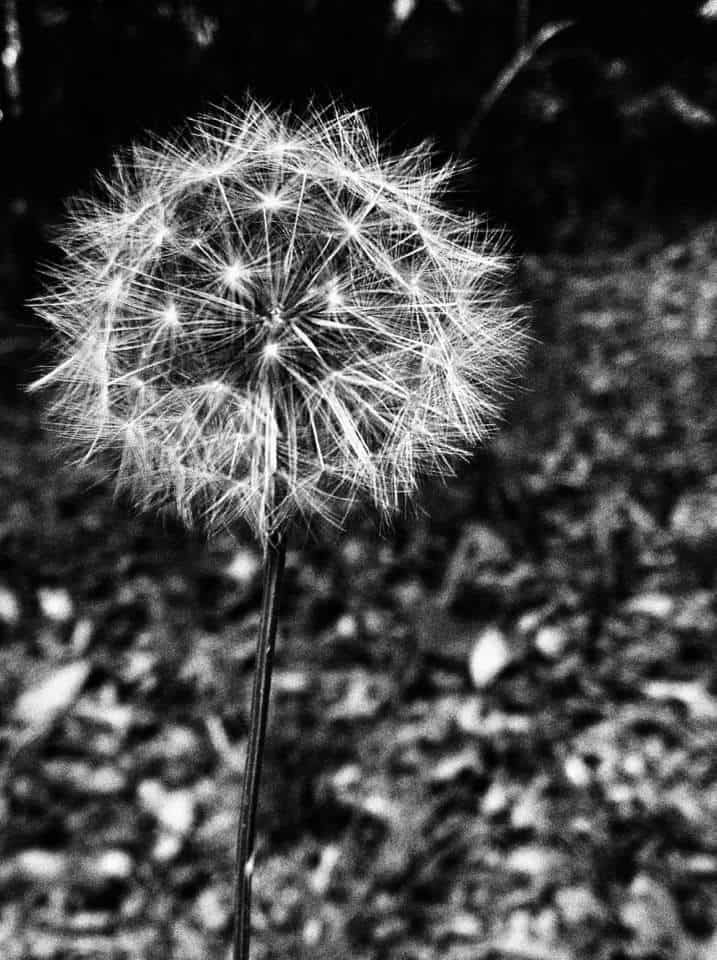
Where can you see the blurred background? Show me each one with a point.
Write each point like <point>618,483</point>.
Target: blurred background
<point>493,726</point>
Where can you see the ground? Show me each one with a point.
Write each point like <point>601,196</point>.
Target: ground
<point>492,727</point>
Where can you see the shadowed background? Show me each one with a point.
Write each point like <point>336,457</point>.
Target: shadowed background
<point>493,730</point>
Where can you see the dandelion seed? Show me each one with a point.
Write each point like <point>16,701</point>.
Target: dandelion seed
<point>350,228</point>
<point>170,315</point>
<point>270,201</point>
<point>114,289</point>
<point>161,234</point>
<point>334,300</point>
<point>234,275</point>
<point>282,146</point>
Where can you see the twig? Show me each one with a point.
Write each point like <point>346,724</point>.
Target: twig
<point>12,49</point>
<point>507,75</point>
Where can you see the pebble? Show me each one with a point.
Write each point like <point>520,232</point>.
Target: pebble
<point>634,764</point>
<point>577,771</point>
<point>179,743</point>
<point>651,913</point>
<point>347,778</point>
<point>529,622</point>
<point>486,545</point>
<point>138,666</point>
<point>546,925</point>
<point>490,655</point>
<point>353,551</point>
<point>374,622</point>
<point>167,847</point>
<point>174,810</point>
<point>696,613</point>
<point>496,799</point>
<point>530,810</point>
<point>346,627</point>
<point>313,931</point>
<point>578,905</point>
<point>212,909</point>
<point>291,682</point>
<point>111,865</point>
<point>551,641</point>
<point>41,866</point>
<point>55,603</point>
<point>9,607</point>
<point>243,567</point>
<point>364,696</point>
<point>694,517</point>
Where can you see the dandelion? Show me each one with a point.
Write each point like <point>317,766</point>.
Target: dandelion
<point>269,320</point>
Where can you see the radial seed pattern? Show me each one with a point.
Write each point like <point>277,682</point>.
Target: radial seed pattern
<point>271,318</point>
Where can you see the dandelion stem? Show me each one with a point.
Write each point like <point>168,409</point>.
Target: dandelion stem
<point>244,863</point>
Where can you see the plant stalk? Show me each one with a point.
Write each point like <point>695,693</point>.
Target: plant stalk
<point>244,861</point>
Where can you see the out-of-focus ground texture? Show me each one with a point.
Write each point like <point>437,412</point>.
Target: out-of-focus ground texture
<point>493,729</point>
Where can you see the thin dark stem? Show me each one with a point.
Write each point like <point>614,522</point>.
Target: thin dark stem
<point>244,863</point>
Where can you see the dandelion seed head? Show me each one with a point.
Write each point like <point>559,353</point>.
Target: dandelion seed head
<point>271,317</point>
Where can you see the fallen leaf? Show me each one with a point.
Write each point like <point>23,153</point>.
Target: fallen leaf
<point>364,696</point>
<point>551,641</point>
<point>9,607</point>
<point>42,704</point>
<point>650,912</point>
<point>321,877</point>
<point>693,694</point>
<point>451,767</point>
<point>55,603</point>
<point>694,518</point>
<point>535,860</point>
<point>490,655</point>
<point>212,908</point>
<point>174,810</point>
<point>659,606</point>
<point>40,866</point>
<point>578,905</point>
